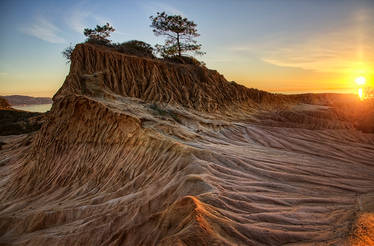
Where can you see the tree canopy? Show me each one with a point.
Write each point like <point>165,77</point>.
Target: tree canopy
<point>66,53</point>
<point>180,33</point>
<point>135,47</point>
<point>100,34</point>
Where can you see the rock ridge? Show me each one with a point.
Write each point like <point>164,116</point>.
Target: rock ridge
<point>153,80</point>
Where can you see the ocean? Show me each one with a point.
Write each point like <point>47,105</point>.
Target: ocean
<point>34,108</point>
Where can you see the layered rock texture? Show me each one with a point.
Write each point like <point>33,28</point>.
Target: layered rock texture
<point>138,151</point>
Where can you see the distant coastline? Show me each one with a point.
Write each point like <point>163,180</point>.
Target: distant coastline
<point>18,100</point>
<point>40,108</point>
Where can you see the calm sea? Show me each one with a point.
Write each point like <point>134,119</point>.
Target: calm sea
<point>34,108</point>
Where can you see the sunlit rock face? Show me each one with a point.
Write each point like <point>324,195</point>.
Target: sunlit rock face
<point>142,152</point>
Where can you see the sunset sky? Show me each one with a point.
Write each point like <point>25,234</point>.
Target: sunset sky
<point>275,45</point>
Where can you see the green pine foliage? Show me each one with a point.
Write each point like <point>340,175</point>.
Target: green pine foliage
<point>179,32</point>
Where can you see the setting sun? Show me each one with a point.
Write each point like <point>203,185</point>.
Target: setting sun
<point>360,93</point>
<point>360,80</point>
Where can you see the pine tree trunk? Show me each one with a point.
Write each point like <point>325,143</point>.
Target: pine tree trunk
<point>179,46</point>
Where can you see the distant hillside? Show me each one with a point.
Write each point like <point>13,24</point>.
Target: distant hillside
<point>26,100</point>
<point>4,103</point>
<point>14,121</point>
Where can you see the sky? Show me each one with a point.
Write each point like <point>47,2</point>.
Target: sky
<point>288,46</point>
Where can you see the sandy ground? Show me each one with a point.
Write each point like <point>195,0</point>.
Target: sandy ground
<point>200,181</point>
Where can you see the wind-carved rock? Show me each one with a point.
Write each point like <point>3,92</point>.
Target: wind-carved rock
<point>152,80</point>
<point>139,151</point>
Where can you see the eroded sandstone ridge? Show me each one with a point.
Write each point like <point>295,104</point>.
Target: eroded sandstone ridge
<point>142,152</point>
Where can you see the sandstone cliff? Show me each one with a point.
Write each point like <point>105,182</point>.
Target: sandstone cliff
<point>153,80</point>
<point>138,151</point>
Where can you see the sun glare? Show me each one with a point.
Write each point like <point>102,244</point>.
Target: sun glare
<point>360,93</point>
<point>360,80</point>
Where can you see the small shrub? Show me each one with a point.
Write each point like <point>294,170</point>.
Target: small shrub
<point>163,112</point>
<point>158,110</point>
<point>184,60</point>
<point>66,53</point>
<point>98,42</point>
<point>135,47</point>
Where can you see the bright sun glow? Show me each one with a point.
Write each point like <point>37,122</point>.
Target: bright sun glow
<point>360,80</point>
<point>360,93</point>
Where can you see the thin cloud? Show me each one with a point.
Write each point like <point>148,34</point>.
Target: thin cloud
<point>347,49</point>
<point>153,7</point>
<point>44,30</point>
<point>77,20</point>
<point>327,52</point>
<point>3,74</point>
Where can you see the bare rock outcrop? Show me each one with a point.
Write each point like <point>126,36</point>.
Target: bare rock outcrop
<point>153,80</point>
<point>138,151</point>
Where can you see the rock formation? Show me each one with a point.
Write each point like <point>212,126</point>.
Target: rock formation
<point>138,151</point>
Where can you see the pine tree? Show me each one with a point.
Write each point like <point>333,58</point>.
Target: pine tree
<point>179,32</point>
<point>100,34</point>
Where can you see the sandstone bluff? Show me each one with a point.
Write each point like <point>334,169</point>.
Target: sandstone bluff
<point>138,151</point>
